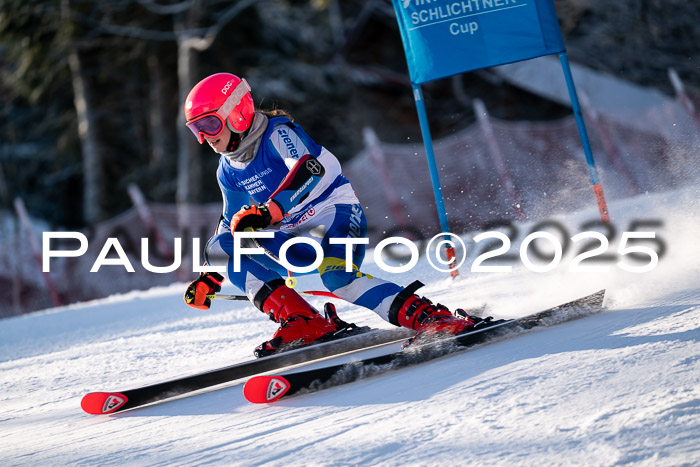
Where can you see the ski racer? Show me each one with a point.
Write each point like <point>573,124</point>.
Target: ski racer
<point>298,190</point>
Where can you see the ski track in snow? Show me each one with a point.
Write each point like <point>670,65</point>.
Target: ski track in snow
<point>618,388</point>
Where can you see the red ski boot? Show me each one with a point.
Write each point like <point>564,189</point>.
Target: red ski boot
<point>418,313</point>
<point>299,322</point>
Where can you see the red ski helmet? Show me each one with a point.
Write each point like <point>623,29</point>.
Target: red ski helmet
<point>217,100</point>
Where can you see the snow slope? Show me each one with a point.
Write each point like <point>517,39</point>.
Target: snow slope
<point>618,388</point>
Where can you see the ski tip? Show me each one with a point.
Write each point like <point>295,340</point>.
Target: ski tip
<point>100,403</point>
<point>264,389</point>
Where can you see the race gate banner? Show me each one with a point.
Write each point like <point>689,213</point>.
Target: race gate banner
<point>446,37</point>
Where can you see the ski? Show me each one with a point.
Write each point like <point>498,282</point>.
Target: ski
<point>99,403</point>
<point>264,389</point>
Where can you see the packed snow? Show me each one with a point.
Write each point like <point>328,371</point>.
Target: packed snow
<point>621,387</point>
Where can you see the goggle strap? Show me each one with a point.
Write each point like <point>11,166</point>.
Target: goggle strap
<point>233,99</point>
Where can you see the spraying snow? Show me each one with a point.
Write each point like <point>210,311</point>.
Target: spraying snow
<point>620,387</point>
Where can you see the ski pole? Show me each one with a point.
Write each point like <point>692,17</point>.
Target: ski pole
<point>290,281</point>
<point>314,293</point>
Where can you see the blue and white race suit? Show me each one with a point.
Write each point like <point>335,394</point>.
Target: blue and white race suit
<point>329,209</point>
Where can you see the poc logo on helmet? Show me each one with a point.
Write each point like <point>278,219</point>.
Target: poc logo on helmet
<point>225,89</point>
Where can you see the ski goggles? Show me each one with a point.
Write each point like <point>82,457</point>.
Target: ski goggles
<point>212,124</point>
